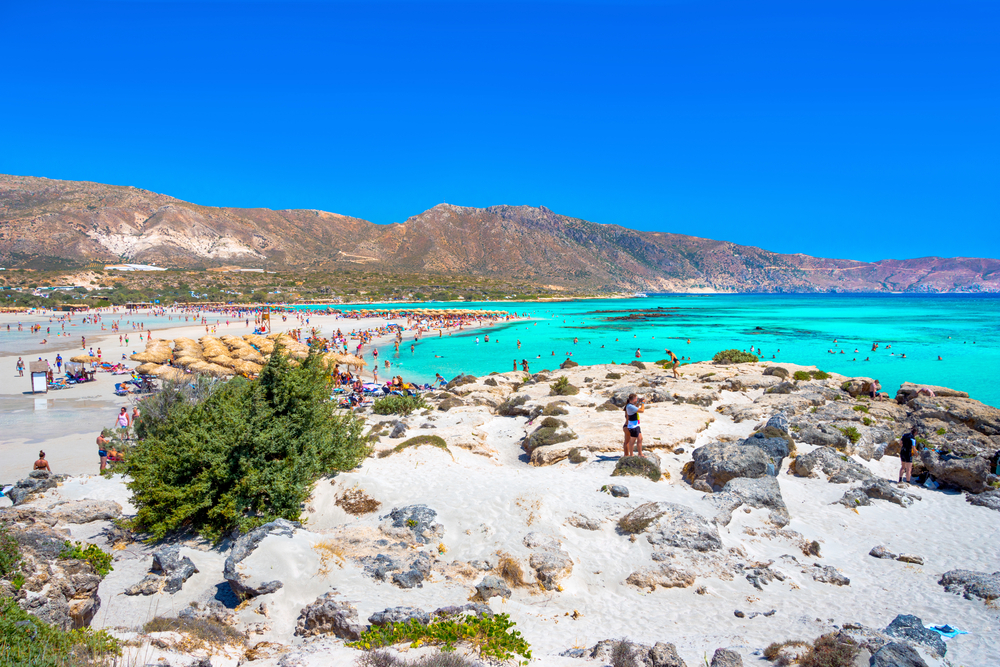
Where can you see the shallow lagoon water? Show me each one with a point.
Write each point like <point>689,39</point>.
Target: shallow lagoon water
<point>964,330</point>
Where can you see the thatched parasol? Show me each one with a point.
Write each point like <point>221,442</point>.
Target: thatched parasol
<point>247,368</point>
<point>84,359</point>
<point>147,369</point>
<point>215,370</point>
<point>353,360</point>
<point>186,361</point>
<point>248,354</point>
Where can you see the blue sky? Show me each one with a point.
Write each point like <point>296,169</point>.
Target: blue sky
<point>865,130</point>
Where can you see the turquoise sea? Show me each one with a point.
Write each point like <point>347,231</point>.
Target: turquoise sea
<point>964,330</point>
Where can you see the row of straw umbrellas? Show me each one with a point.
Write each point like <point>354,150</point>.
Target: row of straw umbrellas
<point>432,312</point>
<point>223,356</point>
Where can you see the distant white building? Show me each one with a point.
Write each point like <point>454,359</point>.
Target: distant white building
<point>132,267</point>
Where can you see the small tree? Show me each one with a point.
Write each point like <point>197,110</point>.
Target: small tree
<point>240,454</point>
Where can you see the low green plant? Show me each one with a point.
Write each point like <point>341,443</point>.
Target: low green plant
<point>576,456</point>
<point>99,559</point>
<point>861,408</point>
<point>734,357</point>
<point>629,525</point>
<point>613,376</point>
<point>867,421</point>
<point>27,640</point>
<point>206,630</point>
<point>637,466</point>
<point>554,408</point>
<point>774,648</point>
<point>494,637</point>
<point>398,405</point>
<point>801,375</point>
<point>851,433</point>
<point>830,651</point>
<point>562,387</point>
<point>10,553</point>
<point>819,375</point>
<point>941,431</point>
<point>418,441</point>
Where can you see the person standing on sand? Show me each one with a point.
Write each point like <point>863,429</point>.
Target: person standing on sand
<point>20,367</point>
<point>631,428</point>
<point>102,450</point>
<point>907,445</point>
<point>41,463</point>
<point>673,363</point>
<point>122,421</point>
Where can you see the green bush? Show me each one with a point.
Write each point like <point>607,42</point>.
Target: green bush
<point>637,466</point>
<point>851,433</point>
<point>562,387</point>
<point>555,408</point>
<point>734,357</point>
<point>867,421</point>
<point>613,376</point>
<point>819,375</point>
<point>27,640</point>
<point>801,375</point>
<point>10,553</point>
<point>830,651</point>
<point>93,554</point>
<point>398,405</point>
<point>245,454</point>
<point>493,636</point>
<point>432,440</point>
<point>861,408</point>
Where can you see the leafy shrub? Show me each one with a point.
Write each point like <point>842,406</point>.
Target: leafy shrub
<point>512,406</point>
<point>607,406</point>
<point>634,526</point>
<point>613,376</point>
<point>941,431</point>
<point>851,433</point>
<point>432,440</point>
<point>27,640</point>
<point>819,375</point>
<point>734,357</point>
<point>398,405</point>
<point>548,435</point>
<point>493,636</point>
<point>552,422</point>
<point>622,654</point>
<point>867,421</point>
<point>637,466</point>
<point>861,408</point>
<point>773,649</point>
<point>10,553</point>
<point>246,453</point>
<point>99,559</point>
<point>576,456</point>
<point>801,375</point>
<point>562,387</point>
<point>830,651</point>
<point>638,364</point>
<point>555,408</point>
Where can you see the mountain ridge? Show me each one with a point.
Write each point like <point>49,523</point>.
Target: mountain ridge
<point>53,224</point>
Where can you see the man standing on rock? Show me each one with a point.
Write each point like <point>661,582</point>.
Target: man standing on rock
<point>907,445</point>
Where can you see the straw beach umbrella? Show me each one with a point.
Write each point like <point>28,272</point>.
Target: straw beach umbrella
<point>147,369</point>
<point>83,359</point>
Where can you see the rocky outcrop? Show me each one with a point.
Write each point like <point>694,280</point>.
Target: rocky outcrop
<point>550,563</point>
<point>968,474</point>
<point>243,585</point>
<point>828,574</point>
<point>724,657</point>
<point>897,654</point>
<point>170,571</point>
<point>661,654</point>
<point>413,523</point>
<point>839,468</point>
<point>978,416</point>
<point>877,489</point>
<point>762,492</point>
<point>664,575</point>
<point>909,390</point>
<point>718,463</point>
<point>990,499</point>
<point>399,615</point>
<point>911,630</point>
<point>37,481</point>
<point>492,586</point>
<point>327,616</point>
<point>669,524</point>
<point>970,584</point>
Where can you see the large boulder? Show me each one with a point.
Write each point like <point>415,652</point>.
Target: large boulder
<point>773,443</point>
<point>492,586</point>
<point>661,654</point>
<point>720,462</point>
<point>664,575</point>
<point>669,524</point>
<point>822,435</point>
<point>550,563</point>
<point>911,629</point>
<point>725,657</point>
<point>909,390</point>
<point>243,585</point>
<point>897,654</point>
<point>990,499</point>
<point>170,571</point>
<point>327,616</point>
<point>877,489</point>
<point>970,584</point>
<point>968,474</point>
<point>839,468</point>
<point>828,574</point>
<point>413,523</point>
<point>979,417</point>
<point>85,511</point>
<point>552,431</point>
<point>399,615</point>
<point>37,481</point>
<point>762,492</point>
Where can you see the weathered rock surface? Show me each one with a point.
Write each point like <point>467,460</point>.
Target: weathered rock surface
<point>550,563</point>
<point>724,657</point>
<point>37,481</point>
<point>762,492</point>
<point>720,462</point>
<point>882,552</point>
<point>492,586</point>
<point>327,616</point>
<point>990,499</point>
<point>660,654</point>
<point>828,574</point>
<point>664,575</point>
<point>877,489</point>
<point>669,524</point>
<point>413,523</point>
<point>970,584</point>
<point>170,571</point>
<point>909,390</point>
<point>839,468</point>
<point>246,587</point>
<point>399,615</point>
<point>897,654</point>
<point>968,474</point>
<point>911,629</point>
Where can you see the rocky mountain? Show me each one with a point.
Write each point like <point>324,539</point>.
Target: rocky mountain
<point>51,224</point>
